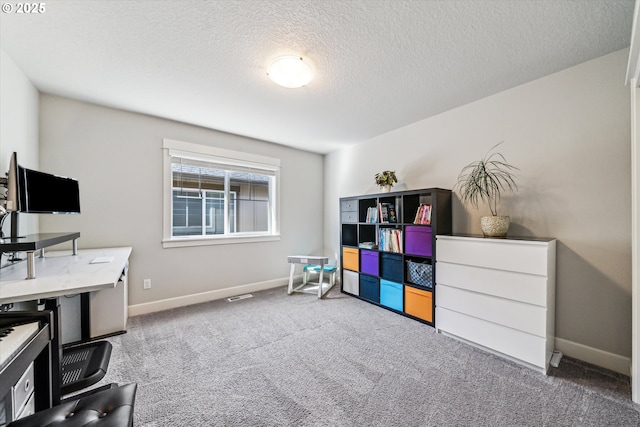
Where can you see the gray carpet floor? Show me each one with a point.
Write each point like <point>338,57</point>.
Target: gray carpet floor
<point>279,360</point>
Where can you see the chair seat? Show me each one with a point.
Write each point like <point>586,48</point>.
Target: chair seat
<point>329,269</point>
<point>316,268</point>
<point>109,408</point>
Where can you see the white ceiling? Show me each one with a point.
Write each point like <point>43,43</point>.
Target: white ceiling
<point>379,65</point>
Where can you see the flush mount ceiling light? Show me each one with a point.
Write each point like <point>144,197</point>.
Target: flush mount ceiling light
<point>290,71</point>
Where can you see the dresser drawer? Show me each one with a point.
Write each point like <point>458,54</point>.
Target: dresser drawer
<point>350,205</point>
<point>511,255</point>
<point>523,317</point>
<point>349,217</point>
<point>527,288</point>
<point>520,345</point>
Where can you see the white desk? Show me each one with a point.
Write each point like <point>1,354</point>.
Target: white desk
<point>61,273</point>
<point>320,287</point>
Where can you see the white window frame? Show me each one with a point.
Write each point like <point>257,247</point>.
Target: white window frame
<point>171,148</point>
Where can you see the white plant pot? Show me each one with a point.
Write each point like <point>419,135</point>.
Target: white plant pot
<point>494,226</point>
<point>386,189</point>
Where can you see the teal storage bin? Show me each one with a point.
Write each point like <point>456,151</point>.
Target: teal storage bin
<point>391,294</point>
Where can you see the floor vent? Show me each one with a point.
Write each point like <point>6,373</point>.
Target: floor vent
<point>239,297</point>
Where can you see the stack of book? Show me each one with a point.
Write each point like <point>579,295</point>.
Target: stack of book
<point>423,215</point>
<point>390,240</point>
<point>367,245</point>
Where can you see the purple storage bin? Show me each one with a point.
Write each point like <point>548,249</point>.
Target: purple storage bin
<point>418,240</point>
<point>369,262</point>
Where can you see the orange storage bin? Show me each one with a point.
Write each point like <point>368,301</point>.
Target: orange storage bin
<point>418,303</point>
<point>350,259</point>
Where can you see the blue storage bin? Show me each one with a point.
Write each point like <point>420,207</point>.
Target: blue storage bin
<point>369,288</point>
<point>391,267</point>
<point>391,294</point>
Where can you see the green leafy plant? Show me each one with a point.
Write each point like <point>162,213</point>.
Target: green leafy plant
<point>486,179</point>
<point>386,178</point>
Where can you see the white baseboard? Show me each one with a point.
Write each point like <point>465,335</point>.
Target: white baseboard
<point>604,359</point>
<point>181,301</point>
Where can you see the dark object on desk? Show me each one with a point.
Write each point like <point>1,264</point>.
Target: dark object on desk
<point>84,365</point>
<point>34,242</point>
<point>32,191</point>
<point>108,408</point>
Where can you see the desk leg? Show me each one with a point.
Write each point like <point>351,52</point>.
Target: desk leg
<point>31,266</point>
<point>42,374</point>
<point>85,316</point>
<point>293,268</point>
<point>56,349</point>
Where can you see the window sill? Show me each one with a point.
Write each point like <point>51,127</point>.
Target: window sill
<point>180,242</point>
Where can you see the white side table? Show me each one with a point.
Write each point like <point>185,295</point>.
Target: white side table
<point>319,287</point>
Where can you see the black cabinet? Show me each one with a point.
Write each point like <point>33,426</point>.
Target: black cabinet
<point>390,237</point>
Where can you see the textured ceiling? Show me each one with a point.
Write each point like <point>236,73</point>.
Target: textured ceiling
<point>379,65</point>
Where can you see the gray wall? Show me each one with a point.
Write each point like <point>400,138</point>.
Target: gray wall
<point>18,132</point>
<point>117,158</point>
<point>18,127</point>
<point>569,134</point>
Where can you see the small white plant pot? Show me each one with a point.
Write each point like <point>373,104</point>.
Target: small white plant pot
<point>494,226</point>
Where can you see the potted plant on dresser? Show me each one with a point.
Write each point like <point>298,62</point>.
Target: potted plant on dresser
<point>386,179</point>
<point>485,180</point>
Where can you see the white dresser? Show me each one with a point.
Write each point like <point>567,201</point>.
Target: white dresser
<point>498,294</point>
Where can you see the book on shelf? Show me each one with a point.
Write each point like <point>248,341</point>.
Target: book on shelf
<point>390,240</point>
<point>423,214</point>
<point>372,215</point>
<point>387,212</point>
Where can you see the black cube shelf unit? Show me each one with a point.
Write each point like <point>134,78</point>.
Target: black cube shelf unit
<point>392,263</point>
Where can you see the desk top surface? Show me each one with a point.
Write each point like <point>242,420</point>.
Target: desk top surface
<point>61,273</point>
<point>307,259</point>
<point>498,240</point>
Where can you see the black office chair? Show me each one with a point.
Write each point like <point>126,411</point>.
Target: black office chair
<point>112,406</point>
<point>83,365</point>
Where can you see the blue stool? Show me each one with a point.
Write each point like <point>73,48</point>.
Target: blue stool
<point>314,268</point>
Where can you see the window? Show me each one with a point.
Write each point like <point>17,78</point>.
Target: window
<point>218,196</point>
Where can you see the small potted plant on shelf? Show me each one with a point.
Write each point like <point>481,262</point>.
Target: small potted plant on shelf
<point>485,180</point>
<point>386,179</point>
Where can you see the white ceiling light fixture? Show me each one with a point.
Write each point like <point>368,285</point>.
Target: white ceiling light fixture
<point>290,71</point>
